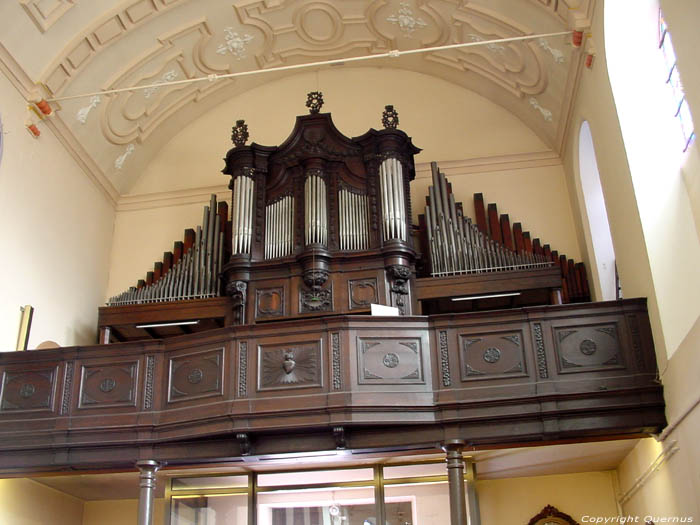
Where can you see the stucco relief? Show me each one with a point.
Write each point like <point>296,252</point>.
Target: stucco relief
<point>518,68</point>
<point>103,32</point>
<point>308,29</point>
<point>45,13</point>
<point>132,116</point>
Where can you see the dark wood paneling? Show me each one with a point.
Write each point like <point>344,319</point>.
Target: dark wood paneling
<point>389,361</point>
<point>196,375</point>
<point>108,385</point>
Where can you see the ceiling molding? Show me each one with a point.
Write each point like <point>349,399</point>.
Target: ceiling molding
<point>102,33</point>
<point>15,74</point>
<point>44,16</point>
<point>166,199</point>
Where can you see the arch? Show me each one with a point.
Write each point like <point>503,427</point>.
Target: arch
<point>598,230</point>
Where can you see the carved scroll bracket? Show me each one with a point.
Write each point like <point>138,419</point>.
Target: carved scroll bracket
<point>238,291</point>
<point>399,276</point>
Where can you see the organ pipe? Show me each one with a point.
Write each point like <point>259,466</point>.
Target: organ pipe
<point>455,244</point>
<point>242,216</point>
<point>393,199</point>
<point>316,211</point>
<point>195,275</point>
<point>279,219</point>
<point>352,220</point>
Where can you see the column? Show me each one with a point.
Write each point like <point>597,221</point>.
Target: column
<point>472,496</point>
<point>455,477</point>
<point>147,483</point>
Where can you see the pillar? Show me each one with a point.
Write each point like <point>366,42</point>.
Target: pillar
<point>147,483</point>
<point>455,478</point>
<point>472,497</point>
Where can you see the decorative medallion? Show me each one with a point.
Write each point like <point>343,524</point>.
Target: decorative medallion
<point>235,44</point>
<point>391,360</point>
<point>405,20</point>
<point>27,390</point>
<point>107,384</point>
<point>168,76</point>
<point>314,101</point>
<point>587,347</point>
<point>239,133</point>
<point>195,376</point>
<point>390,117</point>
<point>492,354</point>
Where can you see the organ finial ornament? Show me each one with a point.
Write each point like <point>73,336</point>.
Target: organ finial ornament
<point>390,117</point>
<point>239,133</point>
<point>314,101</point>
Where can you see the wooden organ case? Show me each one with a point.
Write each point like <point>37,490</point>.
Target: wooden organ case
<point>321,223</point>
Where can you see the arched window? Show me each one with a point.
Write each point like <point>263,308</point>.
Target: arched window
<point>603,256</point>
<point>679,105</point>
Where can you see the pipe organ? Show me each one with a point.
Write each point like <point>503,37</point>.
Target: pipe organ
<point>191,270</point>
<point>321,224</point>
<point>456,246</point>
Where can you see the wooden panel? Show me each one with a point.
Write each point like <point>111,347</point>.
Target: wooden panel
<point>28,390</point>
<point>492,356</point>
<point>108,385</point>
<point>585,348</point>
<point>390,361</point>
<point>362,293</point>
<point>292,365</point>
<point>269,302</point>
<point>196,375</point>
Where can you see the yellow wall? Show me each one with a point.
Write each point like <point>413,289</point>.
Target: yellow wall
<point>26,502</point>
<point>119,512</point>
<point>516,500</point>
<point>56,230</point>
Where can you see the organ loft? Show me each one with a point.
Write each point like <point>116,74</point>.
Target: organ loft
<point>252,339</point>
<point>322,225</point>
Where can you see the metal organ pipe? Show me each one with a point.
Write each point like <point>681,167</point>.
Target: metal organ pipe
<point>353,225</point>
<point>195,275</point>
<point>279,222</point>
<point>316,211</point>
<point>393,199</point>
<point>457,246</point>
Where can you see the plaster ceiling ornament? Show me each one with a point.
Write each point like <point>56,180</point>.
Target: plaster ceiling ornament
<point>235,44</point>
<point>45,14</point>
<point>168,76</point>
<point>121,159</point>
<point>132,116</point>
<point>294,31</point>
<point>83,113</point>
<point>405,19</point>
<point>556,54</point>
<point>520,69</point>
<point>496,48</point>
<point>546,114</point>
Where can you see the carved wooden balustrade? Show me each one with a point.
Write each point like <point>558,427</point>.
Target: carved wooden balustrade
<point>546,373</point>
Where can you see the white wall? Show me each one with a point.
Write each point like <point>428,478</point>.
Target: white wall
<point>56,231</point>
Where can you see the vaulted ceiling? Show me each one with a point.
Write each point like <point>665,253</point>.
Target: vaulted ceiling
<point>73,47</point>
